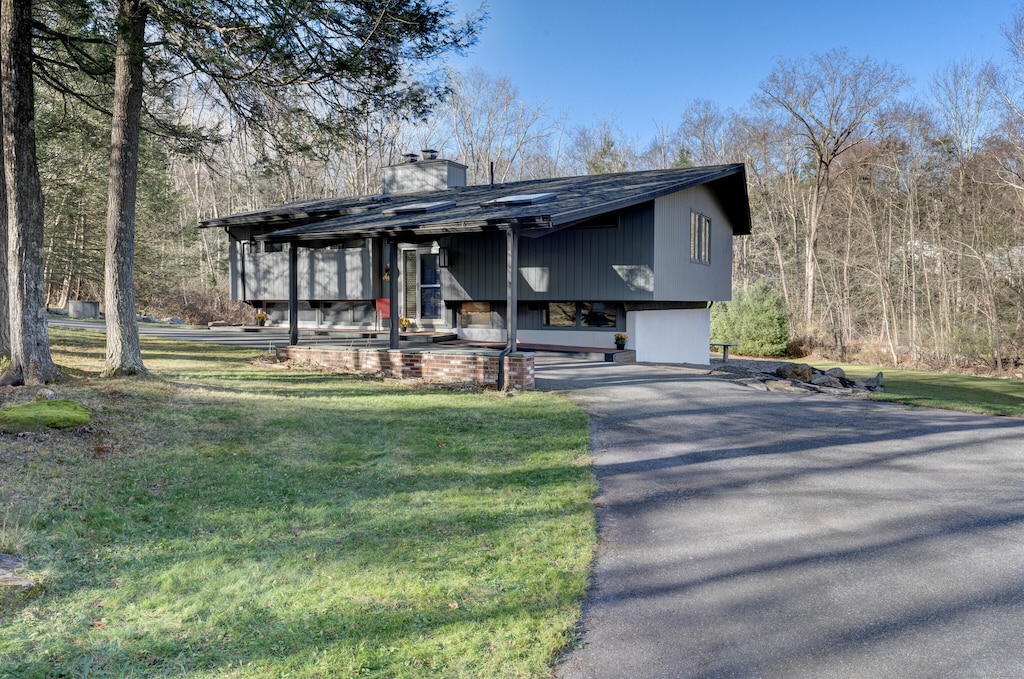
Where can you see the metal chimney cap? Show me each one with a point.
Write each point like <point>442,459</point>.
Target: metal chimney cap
<point>429,154</point>
<point>410,157</point>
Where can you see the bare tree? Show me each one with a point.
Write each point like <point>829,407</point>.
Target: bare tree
<point>602,149</point>
<point>30,345</point>
<point>832,99</point>
<point>490,123</point>
<point>704,132</point>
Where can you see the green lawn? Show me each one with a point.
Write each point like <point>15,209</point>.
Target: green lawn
<point>227,519</point>
<point>984,395</point>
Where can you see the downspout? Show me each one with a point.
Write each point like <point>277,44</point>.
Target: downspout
<point>293,295</point>
<point>512,301</point>
<point>393,336</point>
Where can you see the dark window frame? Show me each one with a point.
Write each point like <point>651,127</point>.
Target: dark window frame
<point>700,238</point>
<point>583,311</point>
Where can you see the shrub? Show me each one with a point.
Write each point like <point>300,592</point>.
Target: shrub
<point>756,319</point>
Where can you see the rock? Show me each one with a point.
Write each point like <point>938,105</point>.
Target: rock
<point>753,384</point>
<point>795,371</point>
<point>826,380</point>
<point>790,386</point>
<point>46,395</point>
<point>9,564</point>
<point>216,324</point>
<point>172,320</point>
<point>846,393</point>
<point>875,382</point>
<point>42,415</point>
<point>837,373</point>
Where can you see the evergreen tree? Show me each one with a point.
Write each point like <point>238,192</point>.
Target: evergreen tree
<point>756,320</point>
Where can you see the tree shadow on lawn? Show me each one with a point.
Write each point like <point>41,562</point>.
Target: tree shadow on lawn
<point>212,553</point>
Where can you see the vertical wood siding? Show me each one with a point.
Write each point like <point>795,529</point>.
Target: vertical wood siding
<point>605,264</point>
<point>679,279</point>
<point>323,275</point>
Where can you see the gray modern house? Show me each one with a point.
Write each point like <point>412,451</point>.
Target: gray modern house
<point>567,261</point>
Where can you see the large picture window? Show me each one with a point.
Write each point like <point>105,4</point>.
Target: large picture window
<point>700,238</point>
<point>581,315</point>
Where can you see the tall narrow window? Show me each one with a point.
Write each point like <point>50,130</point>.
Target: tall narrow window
<point>430,287</point>
<point>700,238</point>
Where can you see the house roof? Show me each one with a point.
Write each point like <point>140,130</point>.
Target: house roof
<point>534,208</point>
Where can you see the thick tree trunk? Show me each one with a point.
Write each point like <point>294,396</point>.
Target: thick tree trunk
<point>30,345</point>
<point>5,319</point>
<point>124,354</point>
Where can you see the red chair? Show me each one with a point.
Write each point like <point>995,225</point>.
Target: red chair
<point>383,305</point>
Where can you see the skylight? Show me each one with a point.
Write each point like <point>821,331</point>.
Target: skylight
<point>521,199</point>
<point>414,208</point>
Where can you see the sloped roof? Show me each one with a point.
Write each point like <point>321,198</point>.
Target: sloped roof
<point>545,205</point>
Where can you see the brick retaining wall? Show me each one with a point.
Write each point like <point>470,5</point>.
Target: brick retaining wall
<point>430,365</point>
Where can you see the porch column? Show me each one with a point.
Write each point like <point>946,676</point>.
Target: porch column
<point>293,295</point>
<point>512,313</point>
<point>393,337</point>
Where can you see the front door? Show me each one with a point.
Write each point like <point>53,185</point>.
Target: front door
<point>421,276</point>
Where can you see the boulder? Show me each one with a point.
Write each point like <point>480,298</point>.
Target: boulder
<point>795,371</point>
<point>837,373</point>
<point>826,380</point>
<point>46,395</point>
<point>875,382</point>
<point>42,415</point>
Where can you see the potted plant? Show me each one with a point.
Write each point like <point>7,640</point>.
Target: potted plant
<point>261,318</point>
<point>403,323</point>
<point>620,340</point>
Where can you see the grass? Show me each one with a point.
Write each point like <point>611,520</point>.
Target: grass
<point>966,393</point>
<point>232,520</point>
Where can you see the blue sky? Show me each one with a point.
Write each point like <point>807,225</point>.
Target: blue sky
<point>640,63</point>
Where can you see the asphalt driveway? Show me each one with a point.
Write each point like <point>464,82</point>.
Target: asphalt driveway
<point>752,534</point>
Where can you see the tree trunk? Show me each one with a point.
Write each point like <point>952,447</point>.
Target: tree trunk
<point>5,320</point>
<point>124,354</point>
<point>30,345</point>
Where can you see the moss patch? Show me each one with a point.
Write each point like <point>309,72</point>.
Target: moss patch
<point>40,415</point>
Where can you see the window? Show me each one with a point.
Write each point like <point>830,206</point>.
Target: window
<point>700,238</point>
<point>597,315</point>
<point>421,275</point>
<point>275,247</point>
<point>581,315</point>
<point>560,314</point>
<point>475,315</point>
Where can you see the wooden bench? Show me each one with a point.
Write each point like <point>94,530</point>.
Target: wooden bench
<point>725,349</point>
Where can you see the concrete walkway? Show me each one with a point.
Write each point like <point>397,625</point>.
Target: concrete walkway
<point>751,534</point>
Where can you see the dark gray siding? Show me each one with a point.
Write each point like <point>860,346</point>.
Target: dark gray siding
<point>476,268</point>
<point>603,263</point>
<point>680,279</point>
<point>342,274</point>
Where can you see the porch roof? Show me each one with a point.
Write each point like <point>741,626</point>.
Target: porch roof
<point>533,208</point>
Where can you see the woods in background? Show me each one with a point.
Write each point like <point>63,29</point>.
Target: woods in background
<point>890,227</point>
